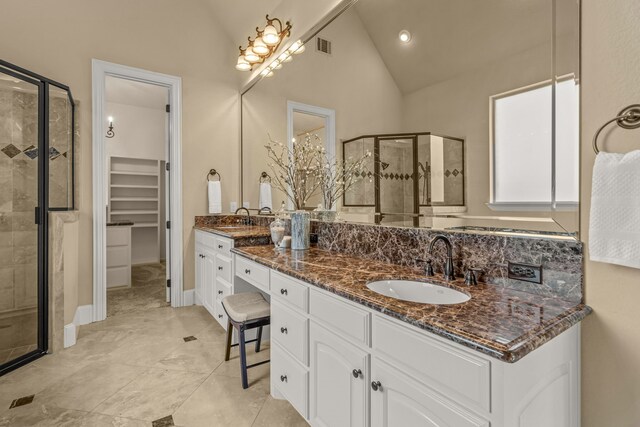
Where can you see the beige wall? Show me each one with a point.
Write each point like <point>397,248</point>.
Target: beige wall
<point>611,335</point>
<point>60,40</point>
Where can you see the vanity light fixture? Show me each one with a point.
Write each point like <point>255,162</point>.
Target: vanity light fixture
<point>110,132</point>
<point>285,57</point>
<point>404,36</point>
<point>264,44</point>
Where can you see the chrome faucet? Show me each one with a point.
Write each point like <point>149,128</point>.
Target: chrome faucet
<point>247,220</point>
<point>448,266</point>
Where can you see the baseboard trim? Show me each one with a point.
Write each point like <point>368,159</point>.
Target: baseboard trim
<point>188,297</point>
<point>84,315</point>
<point>70,335</point>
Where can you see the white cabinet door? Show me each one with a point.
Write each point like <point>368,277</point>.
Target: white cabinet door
<point>339,381</point>
<point>397,400</point>
<point>199,275</point>
<point>209,280</point>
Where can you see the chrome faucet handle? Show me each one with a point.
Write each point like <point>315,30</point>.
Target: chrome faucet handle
<point>428,269</point>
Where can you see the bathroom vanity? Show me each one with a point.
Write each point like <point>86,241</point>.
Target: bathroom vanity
<point>342,354</point>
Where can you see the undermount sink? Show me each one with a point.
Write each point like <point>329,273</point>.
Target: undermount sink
<point>427,293</point>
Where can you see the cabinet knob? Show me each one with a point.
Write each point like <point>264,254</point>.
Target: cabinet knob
<point>376,385</point>
<point>219,292</point>
<point>220,316</point>
<point>247,271</point>
<point>219,246</point>
<point>357,373</point>
<point>283,291</point>
<point>283,378</point>
<point>283,330</point>
<point>219,268</point>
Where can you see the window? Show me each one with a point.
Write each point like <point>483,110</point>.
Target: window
<point>523,152</point>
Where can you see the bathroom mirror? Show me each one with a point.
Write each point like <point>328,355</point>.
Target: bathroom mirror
<point>470,110</point>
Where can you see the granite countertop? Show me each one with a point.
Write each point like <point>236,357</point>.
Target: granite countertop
<point>237,231</point>
<point>503,323</point>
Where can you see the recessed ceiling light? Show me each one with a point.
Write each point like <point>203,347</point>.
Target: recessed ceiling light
<point>404,36</point>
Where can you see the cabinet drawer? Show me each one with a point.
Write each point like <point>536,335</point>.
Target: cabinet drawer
<point>340,315</point>
<point>206,239</point>
<point>290,379</point>
<point>223,245</point>
<point>118,256</point>
<point>253,273</point>
<point>223,267</point>
<point>118,276</point>
<point>220,315</point>
<point>285,288</point>
<point>223,288</point>
<point>290,330</point>
<point>459,375</point>
<point>118,236</point>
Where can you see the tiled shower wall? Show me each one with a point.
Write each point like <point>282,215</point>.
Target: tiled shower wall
<point>18,197</point>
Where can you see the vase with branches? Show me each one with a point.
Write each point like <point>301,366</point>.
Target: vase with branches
<point>339,176</point>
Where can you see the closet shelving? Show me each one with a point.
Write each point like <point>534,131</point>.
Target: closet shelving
<point>135,195</point>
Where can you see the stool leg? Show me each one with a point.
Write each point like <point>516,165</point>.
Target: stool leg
<point>229,335</point>
<point>243,358</point>
<point>258,339</point>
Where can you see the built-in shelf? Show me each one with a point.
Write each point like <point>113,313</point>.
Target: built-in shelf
<point>135,194</point>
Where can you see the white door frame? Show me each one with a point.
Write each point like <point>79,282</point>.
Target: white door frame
<point>329,117</point>
<point>100,70</point>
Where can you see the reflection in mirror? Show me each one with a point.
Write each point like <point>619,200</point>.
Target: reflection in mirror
<point>501,78</point>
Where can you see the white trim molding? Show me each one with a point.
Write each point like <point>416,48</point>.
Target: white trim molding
<point>100,70</point>
<point>82,316</point>
<point>189,297</point>
<point>329,117</point>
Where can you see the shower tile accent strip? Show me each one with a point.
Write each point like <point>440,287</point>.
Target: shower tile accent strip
<point>561,260</point>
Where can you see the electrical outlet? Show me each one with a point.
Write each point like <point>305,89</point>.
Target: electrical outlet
<point>525,272</point>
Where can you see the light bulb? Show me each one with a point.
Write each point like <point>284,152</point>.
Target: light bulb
<point>297,48</point>
<point>242,64</point>
<point>267,72</point>
<point>270,35</point>
<point>404,36</point>
<point>260,47</point>
<point>110,119</point>
<point>250,55</point>
<point>285,57</point>
<point>276,65</point>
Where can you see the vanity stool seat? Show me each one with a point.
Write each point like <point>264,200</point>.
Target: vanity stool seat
<point>247,310</point>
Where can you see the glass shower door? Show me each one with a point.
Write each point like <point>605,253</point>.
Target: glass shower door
<point>21,221</point>
<point>397,199</point>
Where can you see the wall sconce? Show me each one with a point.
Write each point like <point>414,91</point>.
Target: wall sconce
<point>110,132</point>
<point>265,44</point>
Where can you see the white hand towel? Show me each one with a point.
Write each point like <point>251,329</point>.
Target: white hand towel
<point>215,197</point>
<point>265,196</point>
<point>614,229</point>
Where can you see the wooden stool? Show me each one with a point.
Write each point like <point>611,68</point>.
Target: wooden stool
<point>247,310</point>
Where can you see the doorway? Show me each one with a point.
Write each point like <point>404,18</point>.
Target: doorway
<point>137,205</point>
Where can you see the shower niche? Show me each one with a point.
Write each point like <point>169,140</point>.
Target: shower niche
<point>409,177</point>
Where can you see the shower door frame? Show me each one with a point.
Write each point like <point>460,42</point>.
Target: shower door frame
<point>41,215</point>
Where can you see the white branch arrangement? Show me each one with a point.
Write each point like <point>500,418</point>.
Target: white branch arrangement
<point>303,169</point>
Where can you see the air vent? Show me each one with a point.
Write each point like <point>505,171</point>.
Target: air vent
<point>323,46</point>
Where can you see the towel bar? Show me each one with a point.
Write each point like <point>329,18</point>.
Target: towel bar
<point>628,118</point>
<point>213,173</point>
<point>264,177</point>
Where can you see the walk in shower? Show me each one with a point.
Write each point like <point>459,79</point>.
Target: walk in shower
<point>36,175</point>
<point>408,174</point>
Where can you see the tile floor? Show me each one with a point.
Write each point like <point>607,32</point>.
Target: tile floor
<point>148,290</point>
<point>136,369</point>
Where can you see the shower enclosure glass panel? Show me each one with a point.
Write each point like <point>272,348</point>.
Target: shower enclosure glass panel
<point>396,180</point>
<point>19,198</point>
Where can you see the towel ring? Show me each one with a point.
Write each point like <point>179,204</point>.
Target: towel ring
<point>628,118</point>
<point>213,173</point>
<point>264,177</point>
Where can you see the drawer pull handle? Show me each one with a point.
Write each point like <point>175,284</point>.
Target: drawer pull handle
<point>376,385</point>
<point>220,246</point>
<point>283,330</point>
<point>247,271</point>
<point>219,292</point>
<point>357,373</point>
<point>219,268</point>
<point>283,378</point>
<point>220,316</point>
<point>284,291</point>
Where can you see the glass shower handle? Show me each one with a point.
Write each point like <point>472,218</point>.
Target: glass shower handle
<point>37,215</point>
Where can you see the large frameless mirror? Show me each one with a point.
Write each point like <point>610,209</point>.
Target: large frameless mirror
<point>469,110</point>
